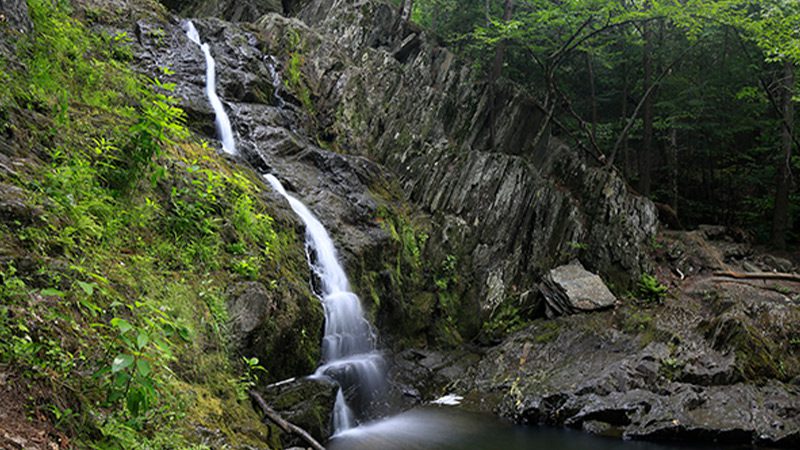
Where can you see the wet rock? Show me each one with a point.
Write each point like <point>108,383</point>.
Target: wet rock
<point>571,289</point>
<point>305,402</point>
<point>14,17</point>
<point>14,206</point>
<point>249,306</point>
<point>711,364</point>
<point>232,10</point>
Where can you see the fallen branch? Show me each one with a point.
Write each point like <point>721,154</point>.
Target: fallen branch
<point>759,275</point>
<point>282,423</point>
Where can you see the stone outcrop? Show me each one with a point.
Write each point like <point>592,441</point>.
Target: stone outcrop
<point>717,361</point>
<point>231,10</point>
<point>570,289</point>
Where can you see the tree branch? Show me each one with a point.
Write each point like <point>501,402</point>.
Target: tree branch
<point>282,423</point>
<point>647,94</point>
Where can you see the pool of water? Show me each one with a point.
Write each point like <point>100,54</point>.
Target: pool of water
<point>443,428</point>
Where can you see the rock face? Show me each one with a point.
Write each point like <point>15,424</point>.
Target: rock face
<point>570,289</point>
<point>510,208</point>
<point>232,10</point>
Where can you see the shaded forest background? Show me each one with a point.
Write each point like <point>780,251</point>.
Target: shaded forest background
<point>691,100</point>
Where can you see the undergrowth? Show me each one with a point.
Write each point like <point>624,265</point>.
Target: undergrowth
<point>112,300</point>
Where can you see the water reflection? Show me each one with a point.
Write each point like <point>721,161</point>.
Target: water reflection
<point>437,428</point>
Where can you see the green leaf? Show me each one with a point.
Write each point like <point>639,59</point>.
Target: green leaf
<point>143,367</point>
<point>123,325</point>
<point>51,292</point>
<point>135,401</point>
<point>142,340</point>
<point>185,333</point>
<point>121,362</point>
<point>88,288</point>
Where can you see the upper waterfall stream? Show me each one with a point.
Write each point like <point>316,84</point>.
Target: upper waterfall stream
<point>222,121</point>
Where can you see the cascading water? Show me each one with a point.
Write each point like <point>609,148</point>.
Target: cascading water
<point>348,346</point>
<point>224,129</point>
<point>276,80</point>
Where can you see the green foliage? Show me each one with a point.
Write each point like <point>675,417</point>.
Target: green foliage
<point>650,289</point>
<point>505,319</point>
<point>112,304</point>
<point>295,82</point>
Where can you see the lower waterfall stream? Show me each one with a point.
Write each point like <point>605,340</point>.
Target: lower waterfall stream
<point>348,346</point>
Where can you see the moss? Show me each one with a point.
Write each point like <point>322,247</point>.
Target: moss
<point>547,332</point>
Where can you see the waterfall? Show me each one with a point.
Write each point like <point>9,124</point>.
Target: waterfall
<point>222,122</point>
<point>276,80</point>
<point>348,347</point>
<point>349,356</point>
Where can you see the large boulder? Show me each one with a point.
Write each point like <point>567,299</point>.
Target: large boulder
<point>571,289</point>
<point>305,402</point>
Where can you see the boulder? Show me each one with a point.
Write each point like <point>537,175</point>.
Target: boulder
<point>572,289</point>
<point>305,402</point>
<point>249,306</point>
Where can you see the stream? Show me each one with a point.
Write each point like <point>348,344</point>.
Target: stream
<point>444,428</point>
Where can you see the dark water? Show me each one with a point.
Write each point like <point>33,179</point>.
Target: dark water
<point>439,428</point>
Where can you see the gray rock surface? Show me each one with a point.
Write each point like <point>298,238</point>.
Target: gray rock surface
<point>232,10</point>
<point>14,16</point>
<point>713,363</point>
<point>305,402</point>
<point>570,289</point>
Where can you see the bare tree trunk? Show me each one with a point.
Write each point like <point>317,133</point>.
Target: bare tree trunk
<point>646,154</point>
<point>626,156</point>
<point>406,10</point>
<point>780,217</point>
<point>672,153</point>
<point>592,93</point>
<point>494,75</point>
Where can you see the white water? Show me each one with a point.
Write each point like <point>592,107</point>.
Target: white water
<point>276,80</point>
<point>348,346</point>
<point>223,123</point>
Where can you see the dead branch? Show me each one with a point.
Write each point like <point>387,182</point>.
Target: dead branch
<point>282,423</point>
<point>759,275</point>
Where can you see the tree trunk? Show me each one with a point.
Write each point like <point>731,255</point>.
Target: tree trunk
<point>592,93</point>
<point>627,168</point>
<point>780,216</point>
<point>497,70</point>
<point>646,154</point>
<point>672,153</point>
<point>406,11</point>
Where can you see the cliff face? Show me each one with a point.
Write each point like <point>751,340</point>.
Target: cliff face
<point>508,209</point>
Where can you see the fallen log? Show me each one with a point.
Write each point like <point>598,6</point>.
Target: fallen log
<point>282,423</point>
<point>759,275</point>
